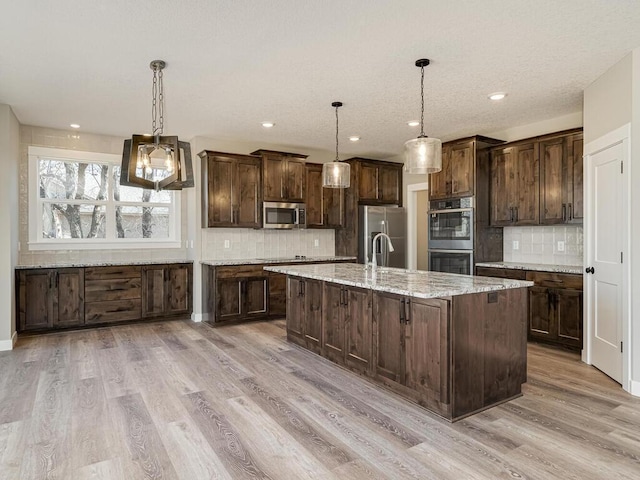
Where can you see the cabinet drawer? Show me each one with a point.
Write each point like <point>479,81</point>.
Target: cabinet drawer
<point>501,273</point>
<point>104,273</point>
<point>555,280</point>
<point>112,311</point>
<point>113,289</point>
<point>241,271</point>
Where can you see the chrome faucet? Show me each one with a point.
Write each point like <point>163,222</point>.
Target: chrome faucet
<point>374,260</point>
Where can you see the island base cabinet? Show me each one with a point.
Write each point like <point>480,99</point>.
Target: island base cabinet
<point>304,313</point>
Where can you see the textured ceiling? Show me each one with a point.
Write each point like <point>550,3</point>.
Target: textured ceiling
<point>234,64</point>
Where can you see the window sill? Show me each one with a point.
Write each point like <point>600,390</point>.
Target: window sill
<point>142,243</point>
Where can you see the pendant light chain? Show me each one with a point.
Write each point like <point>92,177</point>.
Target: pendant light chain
<point>157,106</point>
<point>337,158</point>
<point>422,97</point>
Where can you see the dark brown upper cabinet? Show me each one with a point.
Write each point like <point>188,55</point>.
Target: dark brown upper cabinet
<point>378,183</point>
<point>232,190</point>
<point>325,206</point>
<point>456,179</point>
<point>561,173</point>
<point>515,191</point>
<point>283,176</point>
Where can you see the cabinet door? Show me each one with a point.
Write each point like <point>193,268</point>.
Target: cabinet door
<point>295,311</point>
<point>440,183</point>
<point>553,208</point>
<point>35,300</point>
<point>179,290</point>
<point>273,178</point>
<point>333,329</point>
<point>526,189</point>
<point>220,191</point>
<point>541,314</point>
<point>462,169</point>
<point>312,318</point>
<point>229,299</point>
<point>333,207</point>
<point>575,178</point>
<point>314,192</point>
<point>277,294</point>
<point>368,182</point>
<point>295,180</point>
<point>154,290</point>
<point>68,301</point>
<point>358,334</point>
<point>426,336</point>
<point>568,307</point>
<point>247,187</point>
<point>254,296</point>
<point>502,175</point>
<point>390,184</point>
<point>388,336</point>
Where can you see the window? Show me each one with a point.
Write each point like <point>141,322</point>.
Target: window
<point>76,201</point>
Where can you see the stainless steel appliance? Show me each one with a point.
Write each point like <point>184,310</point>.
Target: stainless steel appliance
<point>451,224</point>
<point>284,215</point>
<point>389,220</point>
<point>451,235</point>
<point>451,261</point>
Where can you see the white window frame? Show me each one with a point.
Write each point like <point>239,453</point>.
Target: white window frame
<point>36,242</point>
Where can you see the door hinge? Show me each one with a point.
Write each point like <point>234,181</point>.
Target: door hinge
<point>621,257</point>
<point>621,167</point>
<point>621,349</point>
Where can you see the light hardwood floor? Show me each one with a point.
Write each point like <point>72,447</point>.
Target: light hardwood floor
<point>183,400</point>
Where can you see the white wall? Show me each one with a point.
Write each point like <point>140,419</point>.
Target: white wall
<point>610,102</point>
<point>9,180</point>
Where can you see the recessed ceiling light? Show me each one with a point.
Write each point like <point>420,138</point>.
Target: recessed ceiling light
<point>74,125</point>
<point>354,138</point>
<point>497,96</point>
<point>268,124</point>
<point>413,123</point>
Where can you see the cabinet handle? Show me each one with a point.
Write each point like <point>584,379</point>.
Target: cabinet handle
<point>407,312</point>
<point>52,279</point>
<point>511,214</point>
<point>564,212</point>
<point>402,311</point>
<point>281,188</point>
<point>570,213</point>
<point>341,298</point>
<point>302,285</point>
<point>346,297</point>
<point>517,213</point>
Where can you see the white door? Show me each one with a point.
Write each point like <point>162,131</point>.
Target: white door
<point>604,282</point>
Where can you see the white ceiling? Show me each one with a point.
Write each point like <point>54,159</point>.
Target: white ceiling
<point>234,64</point>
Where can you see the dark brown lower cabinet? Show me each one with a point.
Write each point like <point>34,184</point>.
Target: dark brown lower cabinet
<point>72,297</point>
<point>50,298</point>
<point>304,308</point>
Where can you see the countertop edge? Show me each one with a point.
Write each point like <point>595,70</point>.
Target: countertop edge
<point>535,267</point>
<point>274,261</point>
<point>102,264</point>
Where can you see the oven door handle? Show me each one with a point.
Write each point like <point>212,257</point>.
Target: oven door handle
<point>451,210</point>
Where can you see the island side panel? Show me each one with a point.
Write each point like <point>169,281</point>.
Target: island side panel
<point>489,344</point>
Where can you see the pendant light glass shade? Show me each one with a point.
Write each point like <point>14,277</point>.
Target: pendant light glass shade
<point>423,154</point>
<point>336,174</point>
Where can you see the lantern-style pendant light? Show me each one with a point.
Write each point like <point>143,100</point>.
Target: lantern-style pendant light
<point>336,174</point>
<point>423,154</point>
<point>156,161</point>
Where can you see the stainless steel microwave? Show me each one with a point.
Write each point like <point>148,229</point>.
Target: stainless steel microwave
<point>284,215</point>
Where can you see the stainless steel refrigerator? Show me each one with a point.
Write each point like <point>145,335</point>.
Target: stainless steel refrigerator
<point>389,220</point>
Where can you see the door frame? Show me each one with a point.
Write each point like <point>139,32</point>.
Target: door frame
<point>412,227</point>
<point>622,136</point>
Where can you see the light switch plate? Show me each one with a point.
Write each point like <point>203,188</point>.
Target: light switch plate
<point>560,246</point>
<point>226,244</point>
<point>316,243</point>
<point>516,245</point>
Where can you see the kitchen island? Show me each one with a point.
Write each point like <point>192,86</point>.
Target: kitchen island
<point>455,344</point>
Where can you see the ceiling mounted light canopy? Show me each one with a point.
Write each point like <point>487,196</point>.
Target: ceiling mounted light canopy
<point>423,154</point>
<point>336,174</point>
<point>155,161</point>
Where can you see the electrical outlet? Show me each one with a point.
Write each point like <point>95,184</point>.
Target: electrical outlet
<point>560,246</point>
<point>316,243</point>
<point>226,244</point>
<point>516,245</point>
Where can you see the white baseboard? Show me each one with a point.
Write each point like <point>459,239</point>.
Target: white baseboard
<point>6,345</point>
<point>199,317</point>
<point>634,388</point>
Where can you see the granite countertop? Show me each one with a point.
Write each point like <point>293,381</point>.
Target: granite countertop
<point>538,267</point>
<point>100,264</point>
<point>414,283</point>
<point>264,261</point>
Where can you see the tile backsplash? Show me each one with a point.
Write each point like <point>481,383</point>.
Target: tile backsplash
<point>544,244</point>
<point>248,243</point>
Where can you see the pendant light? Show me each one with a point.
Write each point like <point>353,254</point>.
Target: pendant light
<point>336,174</point>
<point>423,154</point>
<point>155,161</point>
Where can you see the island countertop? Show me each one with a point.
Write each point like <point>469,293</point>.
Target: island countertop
<point>414,283</point>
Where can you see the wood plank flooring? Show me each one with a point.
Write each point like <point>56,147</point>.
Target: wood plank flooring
<point>180,400</point>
